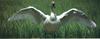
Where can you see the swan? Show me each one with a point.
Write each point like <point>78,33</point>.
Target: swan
<point>52,22</point>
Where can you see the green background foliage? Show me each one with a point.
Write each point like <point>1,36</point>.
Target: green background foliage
<point>25,28</point>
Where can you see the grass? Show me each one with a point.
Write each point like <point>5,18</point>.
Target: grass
<point>26,29</point>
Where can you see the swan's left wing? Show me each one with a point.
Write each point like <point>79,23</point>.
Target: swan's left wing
<point>31,13</point>
<point>76,16</point>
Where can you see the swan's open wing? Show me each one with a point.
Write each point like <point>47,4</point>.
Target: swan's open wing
<point>76,16</point>
<point>29,13</point>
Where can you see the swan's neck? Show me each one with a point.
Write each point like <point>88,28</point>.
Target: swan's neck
<point>52,15</point>
<point>52,6</point>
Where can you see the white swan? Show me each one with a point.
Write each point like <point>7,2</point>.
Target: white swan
<point>52,22</point>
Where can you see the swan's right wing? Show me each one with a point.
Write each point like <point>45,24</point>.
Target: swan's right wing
<point>75,15</point>
<point>30,12</point>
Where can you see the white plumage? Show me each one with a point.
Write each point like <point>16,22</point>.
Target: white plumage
<point>52,22</point>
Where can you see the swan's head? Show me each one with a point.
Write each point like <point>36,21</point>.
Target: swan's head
<point>52,17</point>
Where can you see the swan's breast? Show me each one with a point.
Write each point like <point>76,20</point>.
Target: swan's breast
<point>48,27</point>
<point>51,26</point>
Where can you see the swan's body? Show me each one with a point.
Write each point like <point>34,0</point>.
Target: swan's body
<point>52,22</point>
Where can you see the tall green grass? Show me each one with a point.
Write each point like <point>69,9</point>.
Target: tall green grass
<point>26,28</point>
